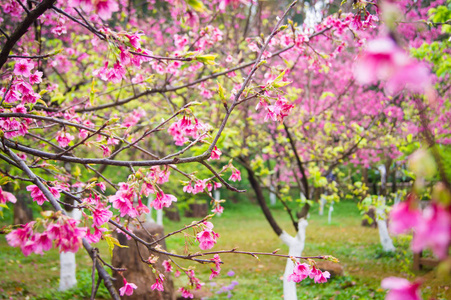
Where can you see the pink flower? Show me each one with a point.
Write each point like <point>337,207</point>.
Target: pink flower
<point>185,293</point>
<point>105,8</point>
<point>218,209</point>
<point>63,138</point>
<point>23,67</point>
<point>207,239</point>
<point>42,242</point>
<point>96,236</point>
<point>19,236</point>
<point>385,60</point>
<point>433,230</point>
<point>199,187</point>
<point>300,272</point>
<point>163,200</point>
<point>101,186</point>
<point>105,150</point>
<point>215,153</point>
<point>167,266</point>
<point>404,216</point>
<point>236,175</point>
<point>158,285</point>
<point>36,77</point>
<point>127,289</point>
<point>141,208</point>
<point>188,188</point>
<point>123,201</point>
<point>318,276</point>
<point>67,236</point>
<point>101,216</point>
<point>38,196</point>
<point>6,197</point>
<point>401,289</point>
<point>279,110</point>
<point>135,40</point>
<point>217,260</point>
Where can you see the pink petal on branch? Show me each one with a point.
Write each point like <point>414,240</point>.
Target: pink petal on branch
<point>401,289</point>
<point>127,289</point>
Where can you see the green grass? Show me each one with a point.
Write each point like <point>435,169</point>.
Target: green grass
<point>243,226</point>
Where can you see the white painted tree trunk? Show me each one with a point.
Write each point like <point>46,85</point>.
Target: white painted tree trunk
<point>68,265</point>
<point>296,246</point>
<point>160,217</point>
<point>397,198</point>
<point>331,209</point>
<point>217,196</point>
<point>272,196</point>
<point>149,215</point>
<point>381,216</point>
<point>302,196</point>
<point>322,202</point>
<point>386,241</point>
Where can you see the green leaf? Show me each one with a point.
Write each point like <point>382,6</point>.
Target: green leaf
<point>196,5</point>
<point>111,241</point>
<point>4,180</point>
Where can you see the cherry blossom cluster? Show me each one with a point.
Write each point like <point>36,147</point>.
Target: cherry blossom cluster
<point>6,197</point>
<point>206,237</point>
<point>302,271</point>
<point>277,111</point>
<point>432,226</point>
<point>185,128</point>
<point>103,8</point>
<point>200,186</point>
<point>384,60</point>
<point>57,228</point>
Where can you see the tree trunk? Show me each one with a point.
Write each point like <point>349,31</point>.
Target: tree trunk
<point>381,216</point>
<point>296,246</point>
<point>22,211</point>
<point>138,272</point>
<point>386,240</point>
<point>272,197</point>
<point>68,266</point>
<point>331,209</point>
<point>197,210</point>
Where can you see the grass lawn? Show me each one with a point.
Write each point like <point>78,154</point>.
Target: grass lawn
<point>243,226</point>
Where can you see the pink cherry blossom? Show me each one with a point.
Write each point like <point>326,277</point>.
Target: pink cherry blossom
<point>401,289</point>
<point>236,175</point>
<point>207,239</point>
<point>167,266</point>
<point>385,60</point>
<point>105,8</point>
<point>123,201</point>
<point>319,276</point>
<point>141,208</point>
<point>38,196</point>
<point>23,67</point>
<point>19,236</point>
<point>215,153</point>
<point>127,289</point>
<point>101,216</point>
<point>36,77</point>
<point>158,285</point>
<point>6,197</point>
<point>163,200</point>
<point>218,209</point>
<point>64,138</point>
<point>404,216</point>
<point>300,272</point>
<point>433,230</point>
<point>42,242</point>
<point>186,294</point>
<point>96,236</point>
